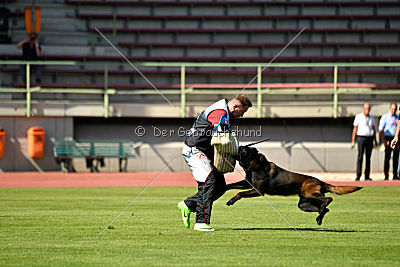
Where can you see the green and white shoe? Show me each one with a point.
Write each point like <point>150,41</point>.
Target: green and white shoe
<point>185,213</point>
<point>203,227</point>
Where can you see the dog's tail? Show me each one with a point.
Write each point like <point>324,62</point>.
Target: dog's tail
<point>341,190</point>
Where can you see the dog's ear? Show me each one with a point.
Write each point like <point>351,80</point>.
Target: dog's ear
<point>235,156</point>
<point>262,158</point>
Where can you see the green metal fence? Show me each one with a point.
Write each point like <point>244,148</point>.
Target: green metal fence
<point>185,89</point>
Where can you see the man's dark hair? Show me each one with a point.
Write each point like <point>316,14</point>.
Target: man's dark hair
<point>244,100</point>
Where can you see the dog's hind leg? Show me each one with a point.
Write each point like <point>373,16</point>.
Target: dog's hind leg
<point>314,205</point>
<point>313,191</point>
<point>321,216</point>
<point>324,210</point>
<point>309,204</point>
<point>243,194</point>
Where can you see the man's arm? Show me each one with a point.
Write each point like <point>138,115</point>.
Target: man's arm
<point>396,136</point>
<point>380,128</point>
<point>382,137</point>
<point>37,48</point>
<point>353,136</point>
<point>20,44</point>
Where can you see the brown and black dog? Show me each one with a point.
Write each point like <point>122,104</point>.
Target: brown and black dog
<point>268,178</point>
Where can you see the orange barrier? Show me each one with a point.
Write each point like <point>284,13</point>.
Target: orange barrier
<point>36,140</point>
<point>37,20</point>
<point>28,20</point>
<point>29,27</point>
<point>2,142</point>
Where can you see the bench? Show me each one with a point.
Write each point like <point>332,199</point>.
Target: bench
<point>93,151</point>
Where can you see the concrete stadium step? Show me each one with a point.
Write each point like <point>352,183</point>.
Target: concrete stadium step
<point>245,7</point>
<point>126,74</point>
<point>56,38</point>
<point>242,22</point>
<point>55,8</point>
<point>212,50</point>
<point>117,58</point>
<point>74,38</point>
<point>252,35</point>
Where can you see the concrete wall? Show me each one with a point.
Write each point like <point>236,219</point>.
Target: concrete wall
<point>299,144</point>
<point>305,145</point>
<point>16,156</point>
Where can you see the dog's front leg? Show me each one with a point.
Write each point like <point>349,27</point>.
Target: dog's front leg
<point>243,194</point>
<point>243,184</point>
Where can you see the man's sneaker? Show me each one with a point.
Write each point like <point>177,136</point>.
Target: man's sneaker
<point>203,227</point>
<point>185,213</point>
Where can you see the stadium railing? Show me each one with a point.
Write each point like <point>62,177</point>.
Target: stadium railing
<point>183,89</point>
<point>212,58</point>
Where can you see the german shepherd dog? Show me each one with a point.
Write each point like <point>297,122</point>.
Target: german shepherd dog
<point>268,178</point>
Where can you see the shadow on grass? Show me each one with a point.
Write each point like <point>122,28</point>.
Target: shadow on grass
<point>300,229</point>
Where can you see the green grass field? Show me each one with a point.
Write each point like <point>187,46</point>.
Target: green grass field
<point>58,226</point>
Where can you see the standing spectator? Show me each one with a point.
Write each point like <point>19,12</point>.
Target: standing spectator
<point>395,145</point>
<point>30,51</point>
<point>387,130</point>
<point>364,128</point>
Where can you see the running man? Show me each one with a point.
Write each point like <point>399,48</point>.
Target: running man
<point>199,155</point>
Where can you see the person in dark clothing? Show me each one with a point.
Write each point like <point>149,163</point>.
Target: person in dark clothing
<point>199,155</point>
<point>395,145</point>
<point>387,129</point>
<point>364,130</point>
<point>30,51</point>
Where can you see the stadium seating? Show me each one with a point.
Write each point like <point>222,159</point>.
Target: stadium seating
<point>214,31</point>
<point>79,100</point>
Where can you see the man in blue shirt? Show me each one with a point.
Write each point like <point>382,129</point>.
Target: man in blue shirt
<point>387,129</point>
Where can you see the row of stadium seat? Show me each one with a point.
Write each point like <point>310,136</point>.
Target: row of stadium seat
<point>234,3</point>
<point>156,30</point>
<point>225,17</point>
